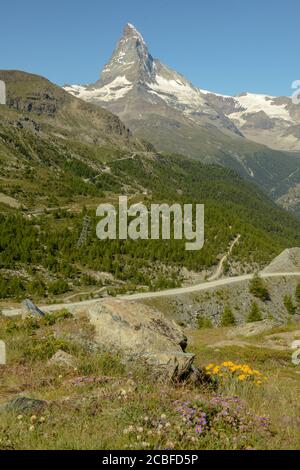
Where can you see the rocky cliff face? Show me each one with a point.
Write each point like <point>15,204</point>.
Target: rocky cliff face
<point>31,93</point>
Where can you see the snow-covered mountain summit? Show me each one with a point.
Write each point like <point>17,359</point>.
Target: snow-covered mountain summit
<point>132,73</point>
<point>136,87</point>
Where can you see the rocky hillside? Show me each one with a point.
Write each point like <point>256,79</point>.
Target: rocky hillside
<point>194,309</point>
<point>287,261</point>
<point>46,108</point>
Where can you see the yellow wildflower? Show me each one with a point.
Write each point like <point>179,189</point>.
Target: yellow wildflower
<point>240,371</point>
<point>227,364</point>
<point>242,377</point>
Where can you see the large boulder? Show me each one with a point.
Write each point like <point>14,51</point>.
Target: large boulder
<point>138,331</point>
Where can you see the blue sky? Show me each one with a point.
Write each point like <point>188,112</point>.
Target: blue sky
<point>227,46</point>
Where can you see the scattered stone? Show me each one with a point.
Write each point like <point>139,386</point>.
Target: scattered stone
<point>283,340</point>
<point>276,341</point>
<point>24,405</point>
<point>28,124</point>
<point>63,359</point>
<point>2,92</point>
<point>32,309</point>
<point>2,353</point>
<point>231,342</point>
<point>9,201</point>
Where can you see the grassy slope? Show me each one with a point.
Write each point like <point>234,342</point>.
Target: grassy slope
<point>103,404</point>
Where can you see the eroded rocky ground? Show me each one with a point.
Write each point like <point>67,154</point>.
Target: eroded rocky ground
<point>187,308</point>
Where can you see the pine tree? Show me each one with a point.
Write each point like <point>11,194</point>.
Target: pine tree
<point>227,318</point>
<point>254,314</point>
<point>297,293</point>
<point>258,288</point>
<point>289,305</point>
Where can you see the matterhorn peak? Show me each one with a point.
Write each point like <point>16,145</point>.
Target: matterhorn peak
<point>131,60</point>
<point>131,31</point>
<point>130,26</point>
<point>132,38</point>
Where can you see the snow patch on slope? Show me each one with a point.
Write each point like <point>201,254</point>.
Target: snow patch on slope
<point>175,89</point>
<point>254,103</point>
<point>207,92</point>
<point>114,90</point>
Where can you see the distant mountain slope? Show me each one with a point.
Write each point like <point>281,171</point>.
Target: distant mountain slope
<point>51,110</point>
<point>269,120</point>
<point>160,105</point>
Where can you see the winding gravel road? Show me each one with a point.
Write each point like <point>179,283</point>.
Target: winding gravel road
<point>219,270</point>
<point>10,312</point>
